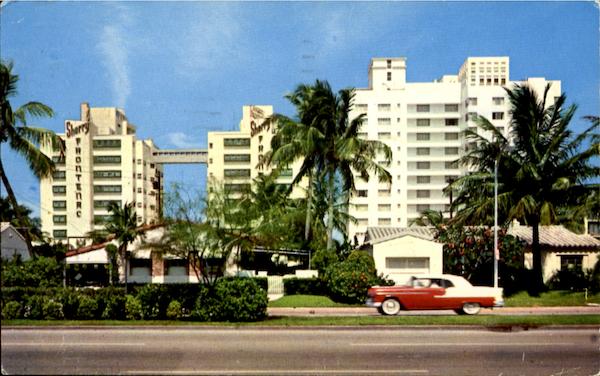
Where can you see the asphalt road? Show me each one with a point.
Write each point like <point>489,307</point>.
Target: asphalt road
<point>295,351</point>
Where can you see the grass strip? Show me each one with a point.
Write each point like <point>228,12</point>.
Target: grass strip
<point>289,321</point>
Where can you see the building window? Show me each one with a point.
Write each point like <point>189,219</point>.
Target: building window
<point>176,267</point>
<point>423,122</point>
<point>422,108</point>
<point>59,205</point>
<point>59,234</point>
<point>497,115</point>
<point>108,159</point>
<point>384,121</point>
<point>384,135</point>
<point>58,160</point>
<point>389,64</point>
<point>59,219</point>
<point>210,145</point>
<point>362,207</point>
<point>471,116</point>
<point>107,174</point>
<point>423,193</point>
<point>451,151</point>
<point>498,100</point>
<point>423,165</point>
<point>472,101</point>
<point>451,122</point>
<point>236,142</point>
<point>107,189</point>
<point>389,76</point>
<point>450,178</point>
<point>423,179</point>
<point>100,219</point>
<point>408,263</point>
<point>106,144</point>
<point>384,193</point>
<point>236,158</point>
<point>104,204</point>
<point>363,221</point>
<point>236,173</point>
<point>361,193</point>
<point>362,107</point>
<point>423,151</point>
<point>451,107</point>
<point>139,161</point>
<point>237,188</point>
<point>423,136</point>
<point>451,136</point>
<point>571,263</point>
<point>384,207</point>
<point>59,175</point>
<point>386,107</point>
<point>384,221</point>
<point>59,189</point>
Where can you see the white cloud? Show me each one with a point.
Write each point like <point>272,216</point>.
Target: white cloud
<point>113,47</point>
<point>182,141</point>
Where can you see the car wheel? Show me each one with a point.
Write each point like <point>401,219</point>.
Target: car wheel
<point>471,308</point>
<point>459,311</point>
<point>390,307</point>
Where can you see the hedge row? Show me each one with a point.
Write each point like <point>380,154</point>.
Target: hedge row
<point>231,299</point>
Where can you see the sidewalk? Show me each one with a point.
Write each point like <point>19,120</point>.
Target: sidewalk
<point>366,311</point>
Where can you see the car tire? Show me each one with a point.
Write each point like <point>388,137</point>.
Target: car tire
<point>459,311</point>
<point>471,308</point>
<point>390,307</point>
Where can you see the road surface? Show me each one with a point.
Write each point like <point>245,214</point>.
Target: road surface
<point>299,351</point>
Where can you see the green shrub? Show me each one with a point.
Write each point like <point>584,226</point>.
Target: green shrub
<point>52,310</point>
<point>69,298</point>
<point>304,286</point>
<point>154,299</point>
<point>12,310</point>
<point>34,308</point>
<point>38,272</point>
<point>174,310</point>
<point>111,303</point>
<point>88,307</point>
<point>349,280</point>
<point>323,258</point>
<point>236,300</point>
<point>133,308</point>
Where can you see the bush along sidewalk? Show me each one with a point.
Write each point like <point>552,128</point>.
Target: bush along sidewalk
<point>230,299</point>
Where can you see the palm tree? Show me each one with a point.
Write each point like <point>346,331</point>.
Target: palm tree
<point>345,153</point>
<point>21,138</point>
<point>542,167</point>
<point>122,225</point>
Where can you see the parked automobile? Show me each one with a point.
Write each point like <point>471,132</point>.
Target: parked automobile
<point>429,292</point>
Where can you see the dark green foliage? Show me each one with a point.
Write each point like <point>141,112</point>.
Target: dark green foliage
<point>88,306</point>
<point>155,300</point>
<point>236,300</point>
<point>174,310</point>
<point>349,280</point>
<point>39,272</point>
<point>52,310</point>
<point>323,258</point>
<point>12,310</point>
<point>304,286</point>
<point>133,308</point>
<point>34,307</point>
<point>576,280</point>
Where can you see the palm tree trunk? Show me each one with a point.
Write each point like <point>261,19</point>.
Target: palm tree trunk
<point>538,276</point>
<point>308,207</point>
<point>331,194</point>
<point>13,201</point>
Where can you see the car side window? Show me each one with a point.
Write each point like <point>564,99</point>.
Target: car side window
<point>447,283</point>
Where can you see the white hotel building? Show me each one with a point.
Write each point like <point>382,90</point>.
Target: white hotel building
<point>423,124</point>
<point>103,163</point>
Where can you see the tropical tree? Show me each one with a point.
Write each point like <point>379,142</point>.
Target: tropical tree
<point>327,141</point>
<point>122,225</point>
<point>22,138</point>
<point>542,166</point>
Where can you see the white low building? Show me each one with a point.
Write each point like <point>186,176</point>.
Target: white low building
<point>13,243</point>
<point>561,249</point>
<point>400,253</point>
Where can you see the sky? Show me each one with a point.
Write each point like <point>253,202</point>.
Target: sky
<point>180,69</point>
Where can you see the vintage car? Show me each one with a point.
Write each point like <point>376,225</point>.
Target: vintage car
<point>434,292</point>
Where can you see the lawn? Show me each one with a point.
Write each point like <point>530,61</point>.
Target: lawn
<point>522,299</point>
<point>489,321</point>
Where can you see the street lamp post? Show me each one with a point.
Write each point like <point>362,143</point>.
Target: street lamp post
<point>496,253</point>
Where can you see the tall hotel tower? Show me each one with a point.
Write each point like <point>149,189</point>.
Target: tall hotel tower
<point>423,124</point>
<point>103,163</point>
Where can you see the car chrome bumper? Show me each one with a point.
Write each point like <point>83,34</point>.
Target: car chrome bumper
<point>498,303</point>
<point>372,303</point>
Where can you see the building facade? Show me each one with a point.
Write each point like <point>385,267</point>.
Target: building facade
<point>104,162</point>
<point>236,158</point>
<point>423,123</point>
